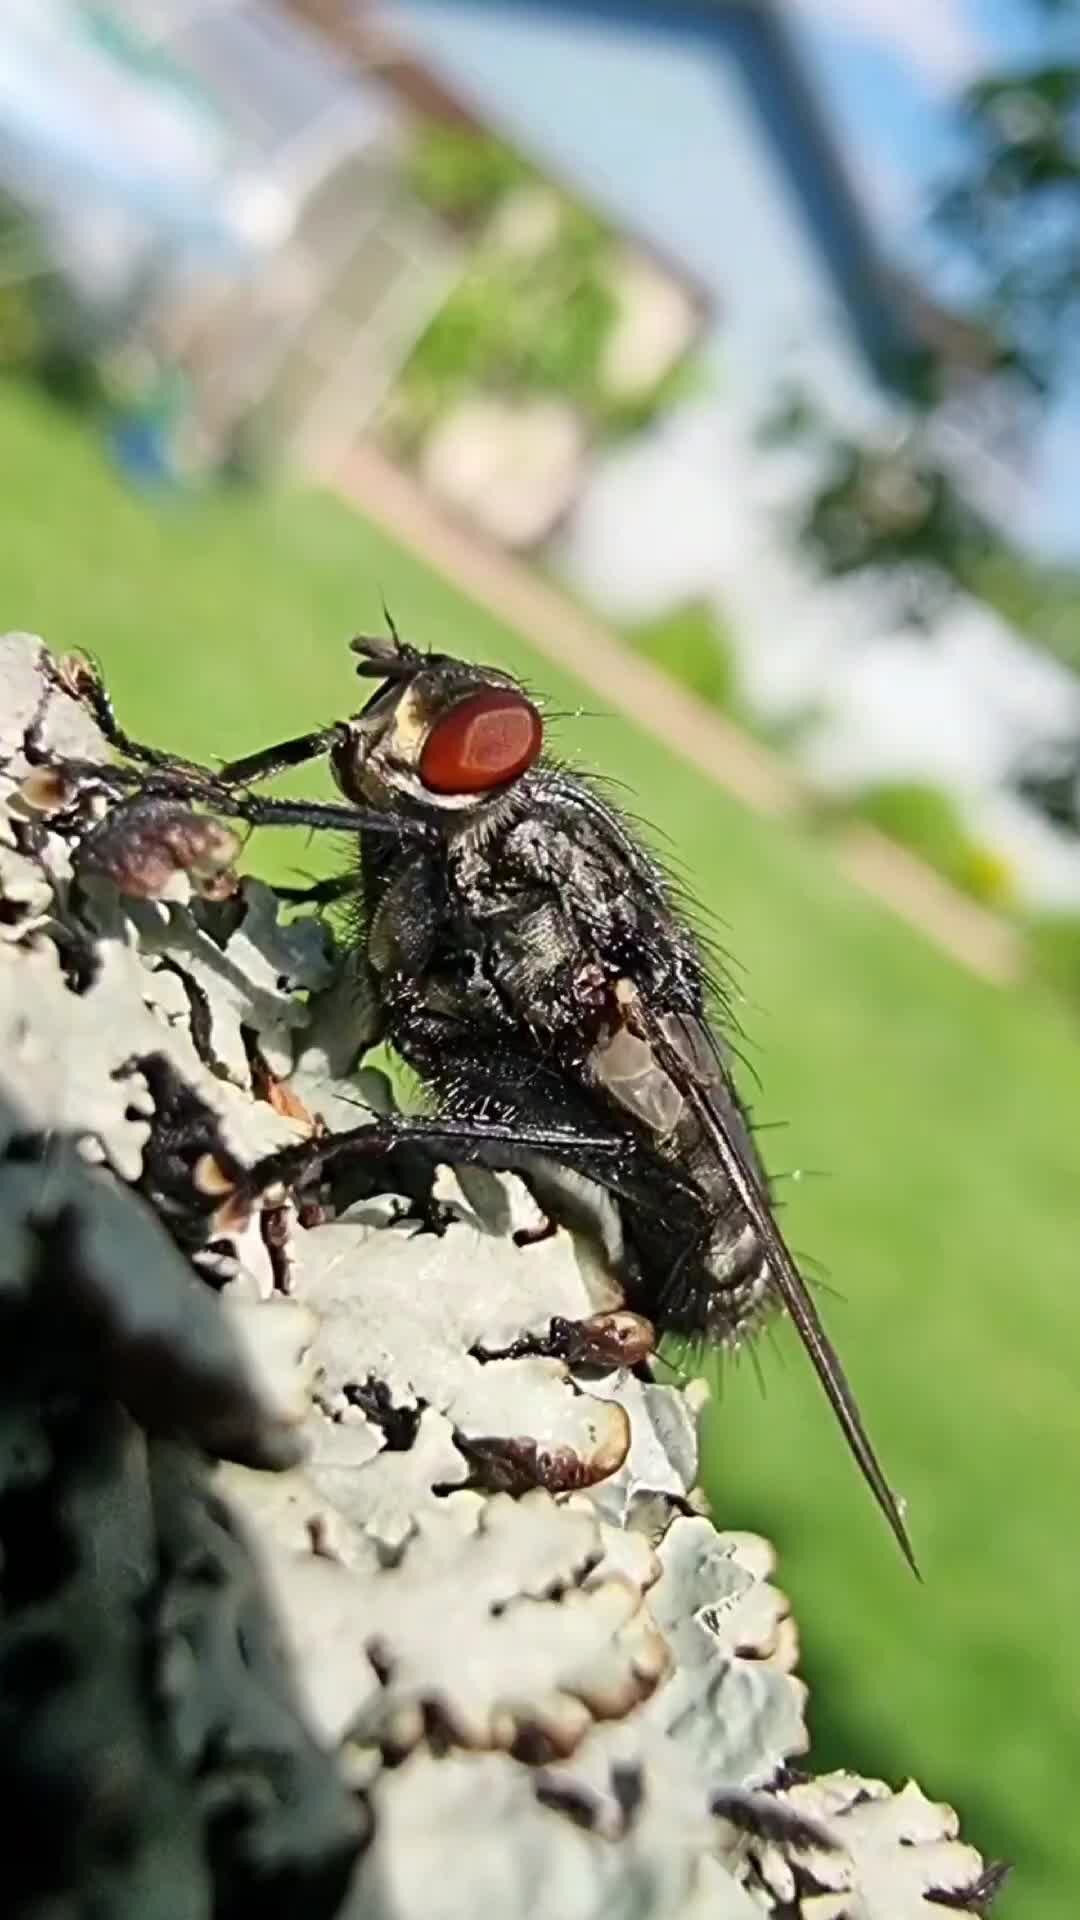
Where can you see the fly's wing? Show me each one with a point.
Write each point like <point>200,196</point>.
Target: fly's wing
<point>686,1052</point>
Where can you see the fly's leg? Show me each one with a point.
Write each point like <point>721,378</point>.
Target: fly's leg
<point>321,893</point>
<point>81,679</point>
<point>402,1154</point>
<point>678,1290</point>
<point>534,1236</point>
<point>203,1192</point>
<point>268,761</point>
<point>322,816</point>
<point>493,1143</point>
<point>601,1343</point>
<point>145,839</point>
<point>156,774</point>
<point>59,785</point>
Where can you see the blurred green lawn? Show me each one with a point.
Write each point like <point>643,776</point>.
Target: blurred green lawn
<point>943,1112</point>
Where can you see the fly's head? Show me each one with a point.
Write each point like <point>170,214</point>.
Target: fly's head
<point>439,737</point>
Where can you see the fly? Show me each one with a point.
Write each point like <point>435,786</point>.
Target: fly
<point>532,965</point>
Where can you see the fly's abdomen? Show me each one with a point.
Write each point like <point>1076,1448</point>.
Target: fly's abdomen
<point>737,1286</point>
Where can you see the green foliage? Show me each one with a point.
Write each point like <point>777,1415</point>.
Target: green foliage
<point>462,174</point>
<point>926,821</point>
<point>21,271</point>
<point>625,414</point>
<point>518,322</point>
<point>883,510</point>
<point>943,1111</point>
<point>18,326</point>
<point>690,644</point>
<point>509,326</point>
<point>37,336</point>
<point>893,513</point>
<point>1042,601</point>
<point>1014,208</point>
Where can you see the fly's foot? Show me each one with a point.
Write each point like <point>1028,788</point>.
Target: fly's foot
<point>604,1341</point>
<point>534,1236</point>
<point>431,1215</point>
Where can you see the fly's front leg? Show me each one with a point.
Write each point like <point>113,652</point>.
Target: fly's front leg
<point>81,680</point>
<point>268,761</point>
<point>66,788</point>
<point>165,818</point>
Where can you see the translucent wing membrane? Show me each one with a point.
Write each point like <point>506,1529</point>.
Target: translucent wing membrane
<point>700,1089</point>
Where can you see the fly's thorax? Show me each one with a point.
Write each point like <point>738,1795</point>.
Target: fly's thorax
<point>403,898</point>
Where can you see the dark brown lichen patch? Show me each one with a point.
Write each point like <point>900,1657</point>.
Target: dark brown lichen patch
<point>978,1897</point>
<point>398,1425</point>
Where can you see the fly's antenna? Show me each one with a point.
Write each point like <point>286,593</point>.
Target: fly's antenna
<point>385,658</point>
<point>391,625</point>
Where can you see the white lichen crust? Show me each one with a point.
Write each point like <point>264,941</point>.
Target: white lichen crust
<point>540,1681</point>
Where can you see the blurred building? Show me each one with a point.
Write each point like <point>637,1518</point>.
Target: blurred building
<point>695,124</point>
<point>513,454</point>
<point>211,184</point>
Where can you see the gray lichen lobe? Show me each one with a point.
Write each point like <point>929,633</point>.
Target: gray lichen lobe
<point>271,1637</point>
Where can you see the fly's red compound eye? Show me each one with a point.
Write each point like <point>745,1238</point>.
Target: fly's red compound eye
<point>483,741</point>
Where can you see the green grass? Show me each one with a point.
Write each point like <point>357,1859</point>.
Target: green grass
<point>944,1113</point>
<point>927,821</point>
<point>690,644</point>
<point>1055,946</point>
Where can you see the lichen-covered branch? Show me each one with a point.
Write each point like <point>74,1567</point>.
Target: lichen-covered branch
<point>343,1569</point>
